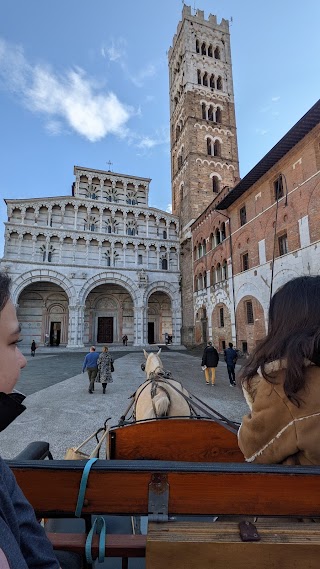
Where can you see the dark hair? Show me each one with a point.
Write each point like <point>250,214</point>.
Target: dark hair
<point>230,345</point>
<point>5,283</point>
<point>293,334</point>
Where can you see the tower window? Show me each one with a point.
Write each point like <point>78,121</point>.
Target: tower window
<point>218,115</point>
<point>139,259</point>
<point>217,53</point>
<point>197,46</point>
<point>278,188</point>
<point>209,147</point>
<point>212,81</point>
<point>221,317</point>
<point>283,244</point>
<point>204,111</point>
<point>217,148</point>
<point>203,49</point>
<point>199,76</point>
<point>215,185</point>
<point>205,80</point>
<point>243,215</point>
<point>49,256</point>
<point>249,311</point>
<point>210,113</point>
<point>164,234</point>
<point>219,83</point>
<point>210,51</point>
<point>245,262</point>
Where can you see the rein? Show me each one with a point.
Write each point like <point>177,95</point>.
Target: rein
<point>162,376</point>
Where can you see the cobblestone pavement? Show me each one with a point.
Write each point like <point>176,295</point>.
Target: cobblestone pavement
<point>60,409</point>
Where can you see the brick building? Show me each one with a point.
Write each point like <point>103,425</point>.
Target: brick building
<point>204,154</point>
<point>250,241</point>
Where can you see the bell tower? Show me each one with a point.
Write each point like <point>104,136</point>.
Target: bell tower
<point>204,152</point>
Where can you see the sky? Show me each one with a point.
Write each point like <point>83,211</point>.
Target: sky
<point>86,83</point>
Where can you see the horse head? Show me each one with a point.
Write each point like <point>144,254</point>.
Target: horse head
<point>153,362</point>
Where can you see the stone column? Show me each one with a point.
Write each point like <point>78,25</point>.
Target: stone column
<point>139,324</point>
<point>176,322</point>
<point>76,326</point>
<point>34,240</point>
<point>75,217</point>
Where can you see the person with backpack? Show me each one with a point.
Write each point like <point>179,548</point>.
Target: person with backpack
<point>230,357</point>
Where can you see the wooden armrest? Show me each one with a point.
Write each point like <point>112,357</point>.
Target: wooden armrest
<point>117,545</point>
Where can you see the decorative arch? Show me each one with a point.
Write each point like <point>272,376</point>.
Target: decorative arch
<point>108,278</point>
<point>43,275</point>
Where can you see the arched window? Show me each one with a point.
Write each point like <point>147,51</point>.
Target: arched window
<point>217,148</point>
<point>205,280</point>
<point>224,270</point>
<point>219,273</point>
<point>196,284</point>
<point>204,247</point>
<point>219,83</point>
<point>92,227</point>
<point>217,53</point>
<point>197,46</point>
<point>204,111</point>
<point>203,49</point>
<point>218,115</point>
<point>164,234</point>
<point>199,76</point>
<point>49,256</point>
<point>217,234</point>
<point>44,255</point>
<point>108,228</point>
<point>212,81</point>
<point>210,51</point>
<point>210,113</point>
<point>215,184</point>
<point>164,264</point>
<point>199,250</point>
<point>209,147</point>
<point>205,80</point>
<point>223,231</point>
<point>213,276</point>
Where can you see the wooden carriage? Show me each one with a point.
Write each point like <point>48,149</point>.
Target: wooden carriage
<point>201,473</point>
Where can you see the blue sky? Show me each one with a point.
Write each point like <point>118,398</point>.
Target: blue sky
<point>87,82</point>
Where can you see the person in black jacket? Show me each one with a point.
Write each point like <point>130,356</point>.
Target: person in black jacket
<point>209,363</point>
<point>230,357</point>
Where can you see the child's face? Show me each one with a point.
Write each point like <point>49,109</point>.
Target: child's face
<point>11,359</point>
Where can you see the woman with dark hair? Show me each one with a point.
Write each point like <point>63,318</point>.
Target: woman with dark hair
<point>23,543</point>
<point>281,381</point>
<point>105,367</point>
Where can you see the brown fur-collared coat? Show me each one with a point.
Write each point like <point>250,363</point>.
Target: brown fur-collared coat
<point>276,430</point>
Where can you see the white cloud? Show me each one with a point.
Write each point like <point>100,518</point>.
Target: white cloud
<point>275,99</point>
<point>169,208</point>
<point>115,51</point>
<point>70,99</point>
<point>147,142</point>
<point>139,78</point>
<point>261,131</point>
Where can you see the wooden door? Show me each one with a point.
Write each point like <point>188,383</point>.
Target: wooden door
<point>105,330</point>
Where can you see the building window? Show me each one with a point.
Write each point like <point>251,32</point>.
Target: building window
<point>199,76</point>
<point>245,262</point>
<point>212,85</point>
<point>210,113</point>
<point>204,111</point>
<point>215,185</point>
<point>164,234</point>
<point>217,148</point>
<point>223,344</point>
<point>164,264</point>
<point>205,80</point>
<point>217,53</point>
<point>49,256</point>
<point>245,347</point>
<point>197,46</point>
<point>249,311</point>
<point>210,54</point>
<point>209,147</point>
<point>139,259</point>
<point>219,83</point>
<point>278,188</point>
<point>203,49</point>
<point>218,115</point>
<point>243,215</point>
<point>221,317</point>
<point>283,244</point>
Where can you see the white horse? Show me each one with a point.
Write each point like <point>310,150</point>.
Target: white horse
<point>157,397</point>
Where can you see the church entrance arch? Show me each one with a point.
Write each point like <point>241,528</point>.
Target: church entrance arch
<point>43,314</point>
<point>109,315</point>
<point>159,318</point>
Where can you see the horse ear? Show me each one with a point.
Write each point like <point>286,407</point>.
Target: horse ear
<point>159,352</point>
<point>145,354</point>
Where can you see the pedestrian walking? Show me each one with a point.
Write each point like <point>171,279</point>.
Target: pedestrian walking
<point>105,368</point>
<point>209,363</point>
<point>91,365</point>
<point>33,348</point>
<point>125,340</point>
<point>230,357</point>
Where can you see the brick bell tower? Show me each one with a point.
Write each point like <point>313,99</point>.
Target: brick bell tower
<point>204,152</point>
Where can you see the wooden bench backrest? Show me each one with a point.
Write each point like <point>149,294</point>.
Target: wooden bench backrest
<point>121,487</point>
<point>180,439</point>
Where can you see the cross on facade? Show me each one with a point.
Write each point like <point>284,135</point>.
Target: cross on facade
<point>109,164</point>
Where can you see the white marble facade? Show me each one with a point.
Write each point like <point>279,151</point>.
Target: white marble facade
<point>97,265</point>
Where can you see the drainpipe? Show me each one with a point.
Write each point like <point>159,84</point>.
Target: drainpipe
<point>232,277</point>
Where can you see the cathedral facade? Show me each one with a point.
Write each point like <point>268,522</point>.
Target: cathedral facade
<point>95,266</point>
